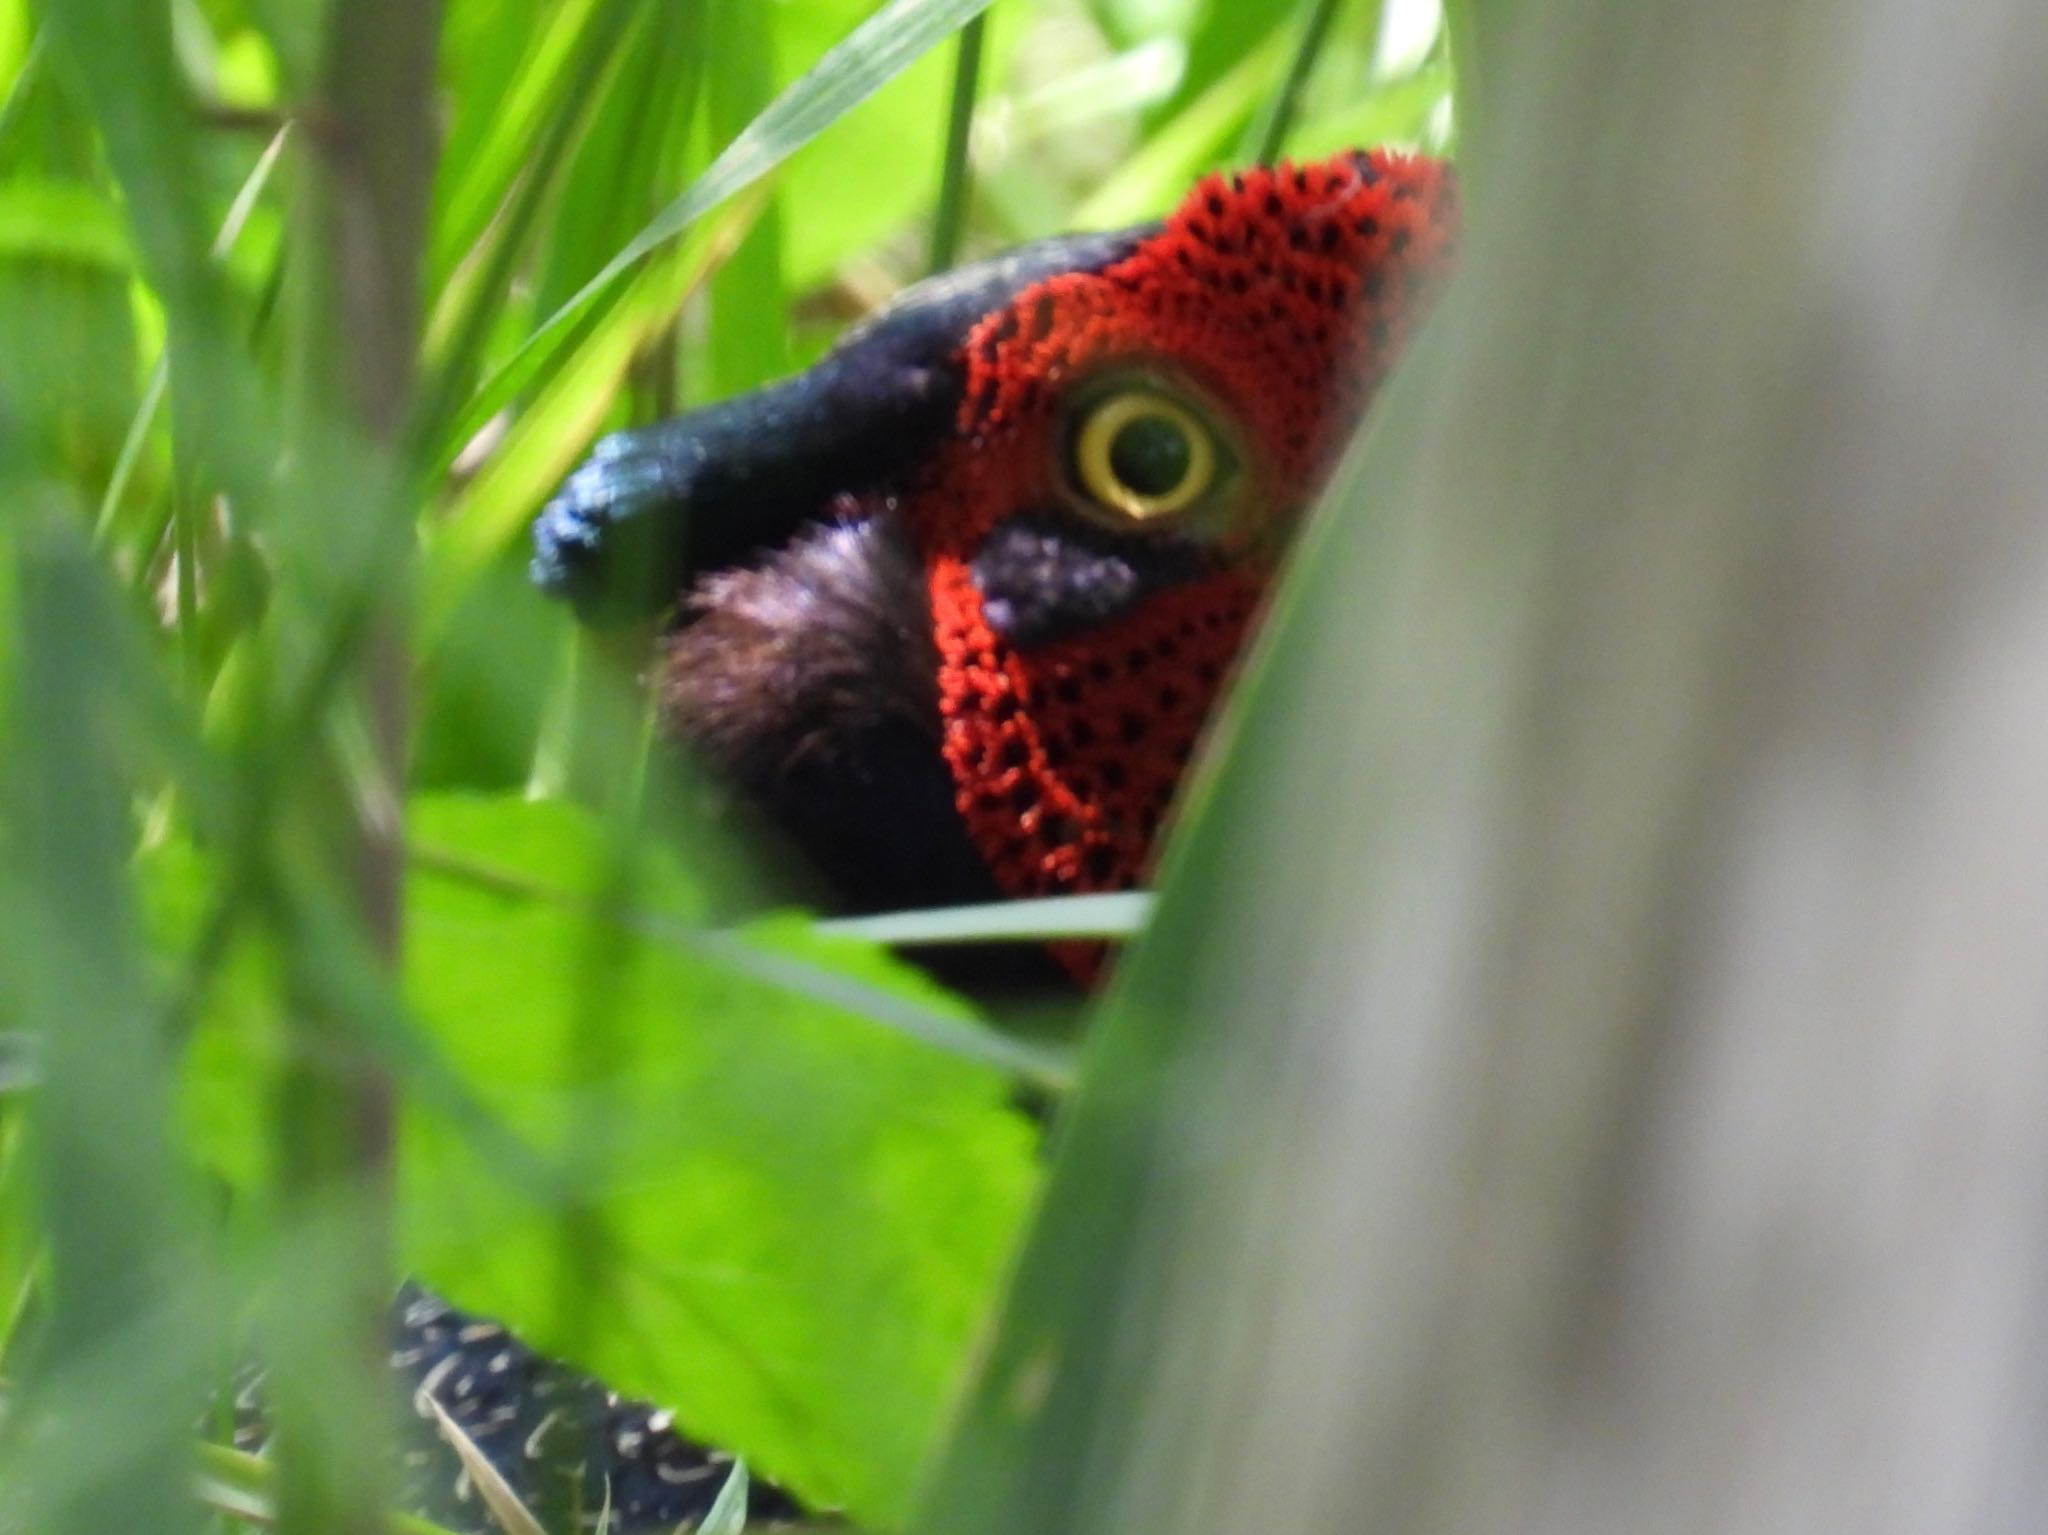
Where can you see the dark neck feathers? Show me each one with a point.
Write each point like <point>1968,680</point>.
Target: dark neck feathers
<point>808,683</point>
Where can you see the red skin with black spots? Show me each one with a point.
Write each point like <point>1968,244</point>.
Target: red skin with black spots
<point>1280,297</point>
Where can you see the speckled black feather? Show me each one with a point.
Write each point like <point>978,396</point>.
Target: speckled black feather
<point>559,1438</point>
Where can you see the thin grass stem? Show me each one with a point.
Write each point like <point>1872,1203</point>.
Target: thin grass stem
<point>949,221</point>
<point>1269,131</point>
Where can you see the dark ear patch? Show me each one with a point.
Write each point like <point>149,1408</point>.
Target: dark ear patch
<point>810,684</point>
<point>826,642</point>
<point>1047,574</point>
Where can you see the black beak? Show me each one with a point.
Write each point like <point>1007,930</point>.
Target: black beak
<point>653,510</point>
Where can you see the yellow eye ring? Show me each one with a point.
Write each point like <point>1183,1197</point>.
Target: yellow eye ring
<point>1144,455</point>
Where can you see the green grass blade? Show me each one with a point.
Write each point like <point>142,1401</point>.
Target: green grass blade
<point>556,70</point>
<point>1122,915</point>
<point>1223,34</point>
<point>474,293</point>
<point>1269,132</point>
<point>749,321</point>
<point>244,1487</point>
<point>728,1515</point>
<point>132,447</point>
<point>124,61</point>
<point>949,221</point>
<point>878,50</point>
<point>1401,112</point>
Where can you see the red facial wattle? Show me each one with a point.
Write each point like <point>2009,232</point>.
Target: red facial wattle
<point>1068,755</point>
<point>1275,301</point>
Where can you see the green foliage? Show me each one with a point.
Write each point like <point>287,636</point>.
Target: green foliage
<point>762,1172</point>
<point>746,1161</point>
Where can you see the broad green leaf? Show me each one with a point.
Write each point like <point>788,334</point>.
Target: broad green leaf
<point>796,1217</point>
<point>16,36</point>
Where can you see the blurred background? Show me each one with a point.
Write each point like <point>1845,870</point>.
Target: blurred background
<point>1585,1067</point>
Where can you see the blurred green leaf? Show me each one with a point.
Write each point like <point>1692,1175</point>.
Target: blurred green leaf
<point>112,1204</point>
<point>21,1237</point>
<point>1193,141</point>
<point>1218,42</point>
<point>67,365</point>
<point>292,28</point>
<point>63,220</point>
<point>1400,112</point>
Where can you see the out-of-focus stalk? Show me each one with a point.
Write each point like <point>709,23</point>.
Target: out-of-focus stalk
<point>1586,1071</point>
<point>371,162</point>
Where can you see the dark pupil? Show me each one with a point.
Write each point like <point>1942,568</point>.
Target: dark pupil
<point>1151,455</point>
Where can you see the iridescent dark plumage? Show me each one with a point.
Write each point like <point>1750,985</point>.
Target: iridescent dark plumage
<point>944,623</point>
<point>561,1440</point>
<point>534,1417</point>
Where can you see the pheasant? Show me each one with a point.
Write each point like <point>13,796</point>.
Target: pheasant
<point>952,607</point>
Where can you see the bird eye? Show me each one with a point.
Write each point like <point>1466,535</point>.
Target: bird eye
<point>1144,455</point>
